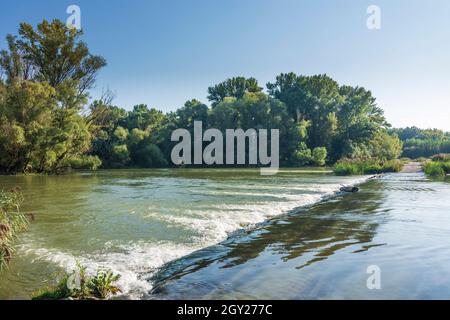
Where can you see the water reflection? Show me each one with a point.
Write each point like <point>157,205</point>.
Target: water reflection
<point>399,223</point>
<point>134,221</point>
<point>300,239</point>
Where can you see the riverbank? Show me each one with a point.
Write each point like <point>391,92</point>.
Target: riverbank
<point>397,225</point>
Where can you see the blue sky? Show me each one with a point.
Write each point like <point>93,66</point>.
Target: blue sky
<point>163,53</point>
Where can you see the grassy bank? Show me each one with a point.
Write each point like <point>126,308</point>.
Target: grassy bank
<point>438,166</point>
<point>12,222</point>
<point>367,166</point>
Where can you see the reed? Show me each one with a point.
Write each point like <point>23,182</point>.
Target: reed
<point>436,168</point>
<point>347,167</point>
<point>12,222</point>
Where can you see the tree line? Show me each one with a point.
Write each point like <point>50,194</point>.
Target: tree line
<point>423,142</point>
<point>48,125</point>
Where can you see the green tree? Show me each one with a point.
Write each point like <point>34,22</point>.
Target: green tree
<point>57,54</point>
<point>258,111</point>
<point>48,70</point>
<point>423,142</point>
<point>120,155</point>
<point>385,146</point>
<point>143,118</point>
<point>193,110</point>
<point>234,87</point>
<point>319,156</point>
<point>26,111</point>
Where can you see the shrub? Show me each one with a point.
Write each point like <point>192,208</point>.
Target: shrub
<point>437,168</point>
<point>347,168</point>
<point>434,168</point>
<point>84,162</point>
<point>446,167</point>
<point>319,156</point>
<point>366,166</point>
<point>371,168</point>
<point>304,156</point>
<point>392,166</point>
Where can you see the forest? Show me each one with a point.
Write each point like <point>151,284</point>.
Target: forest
<point>49,123</point>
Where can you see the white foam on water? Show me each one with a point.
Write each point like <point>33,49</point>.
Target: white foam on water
<point>137,261</point>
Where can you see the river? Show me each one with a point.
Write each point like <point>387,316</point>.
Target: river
<point>203,227</point>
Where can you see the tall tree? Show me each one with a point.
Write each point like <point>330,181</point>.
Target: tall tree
<point>57,54</point>
<point>48,71</point>
<point>233,87</point>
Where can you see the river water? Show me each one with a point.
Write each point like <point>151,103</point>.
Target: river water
<point>391,240</point>
<point>134,221</point>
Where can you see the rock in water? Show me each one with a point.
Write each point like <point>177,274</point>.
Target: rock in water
<point>350,189</point>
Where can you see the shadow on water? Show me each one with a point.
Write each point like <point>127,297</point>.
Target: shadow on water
<point>296,241</point>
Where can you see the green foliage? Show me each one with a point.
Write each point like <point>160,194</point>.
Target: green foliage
<point>304,156</point>
<point>102,284</point>
<point>257,111</point>
<point>319,156</point>
<point>341,118</point>
<point>120,155</point>
<point>366,166</point>
<point>446,167</point>
<point>130,139</point>
<point>149,155</point>
<point>57,54</point>
<point>48,72</point>
<point>80,286</point>
<point>439,166</point>
<point>12,222</point>
<point>386,146</point>
<point>84,162</point>
<point>347,169</point>
<point>234,87</point>
<point>423,143</point>
<point>392,166</point>
<point>45,125</point>
<point>58,292</point>
<point>434,168</point>
<point>319,121</point>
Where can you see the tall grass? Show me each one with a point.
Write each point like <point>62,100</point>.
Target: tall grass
<point>347,167</point>
<point>437,168</point>
<point>12,222</point>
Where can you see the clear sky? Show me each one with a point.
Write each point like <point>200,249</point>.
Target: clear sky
<point>165,52</point>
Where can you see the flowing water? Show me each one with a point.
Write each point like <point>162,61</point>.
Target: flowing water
<point>135,221</point>
<point>391,240</point>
